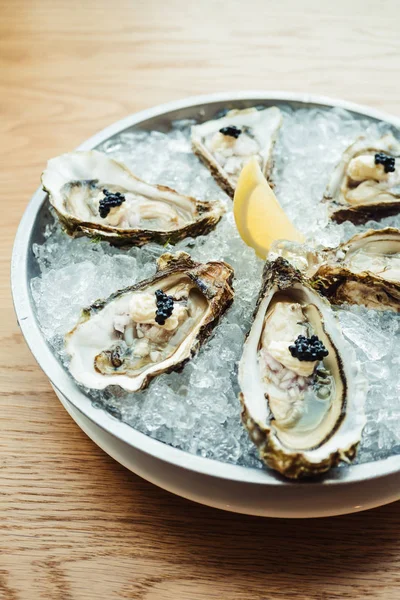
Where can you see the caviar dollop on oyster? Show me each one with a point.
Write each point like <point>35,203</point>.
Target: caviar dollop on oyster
<point>152,327</point>
<point>226,144</point>
<point>366,182</point>
<point>302,391</point>
<point>97,196</point>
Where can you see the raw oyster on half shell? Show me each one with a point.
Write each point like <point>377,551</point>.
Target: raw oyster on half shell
<point>302,391</point>
<point>366,182</point>
<point>226,144</point>
<point>364,270</point>
<point>97,196</point>
<point>152,327</point>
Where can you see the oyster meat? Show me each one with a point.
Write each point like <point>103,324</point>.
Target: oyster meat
<point>152,327</point>
<point>364,270</point>
<point>97,196</point>
<point>226,144</point>
<point>302,391</point>
<point>366,182</point>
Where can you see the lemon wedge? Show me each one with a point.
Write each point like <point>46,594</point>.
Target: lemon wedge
<point>259,217</point>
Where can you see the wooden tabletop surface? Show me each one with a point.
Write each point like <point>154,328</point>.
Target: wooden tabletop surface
<point>74,524</point>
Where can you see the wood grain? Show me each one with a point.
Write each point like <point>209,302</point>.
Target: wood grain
<point>74,524</point>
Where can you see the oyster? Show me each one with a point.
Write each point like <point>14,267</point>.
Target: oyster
<point>302,392</point>
<point>152,327</point>
<point>364,270</point>
<point>366,182</point>
<point>96,196</point>
<point>226,144</point>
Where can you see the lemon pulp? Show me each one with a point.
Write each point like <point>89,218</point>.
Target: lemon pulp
<point>259,217</point>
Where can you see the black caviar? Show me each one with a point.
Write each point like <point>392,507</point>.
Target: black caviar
<point>308,348</point>
<point>109,201</point>
<point>231,130</point>
<point>165,306</point>
<point>388,162</point>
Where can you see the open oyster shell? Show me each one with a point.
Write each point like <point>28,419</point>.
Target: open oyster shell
<point>361,187</point>
<point>118,341</point>
<point>252,133</point>
<point>77,184</point>
<point>303,415</point>
<point>363,270</point>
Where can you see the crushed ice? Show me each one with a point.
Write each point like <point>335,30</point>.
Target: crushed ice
<point>198,410</point>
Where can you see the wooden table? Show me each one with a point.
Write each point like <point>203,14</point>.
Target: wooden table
<point>74,524</point>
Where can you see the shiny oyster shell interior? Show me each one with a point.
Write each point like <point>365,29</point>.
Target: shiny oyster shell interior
<point>226,144</point>
<point>364,270</point>
<point>78,183</point>
<point>119,341</point>
<point>303,415</point>
<point>366,182</point>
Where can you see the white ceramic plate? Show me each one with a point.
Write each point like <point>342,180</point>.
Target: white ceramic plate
<point>230,487</point>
